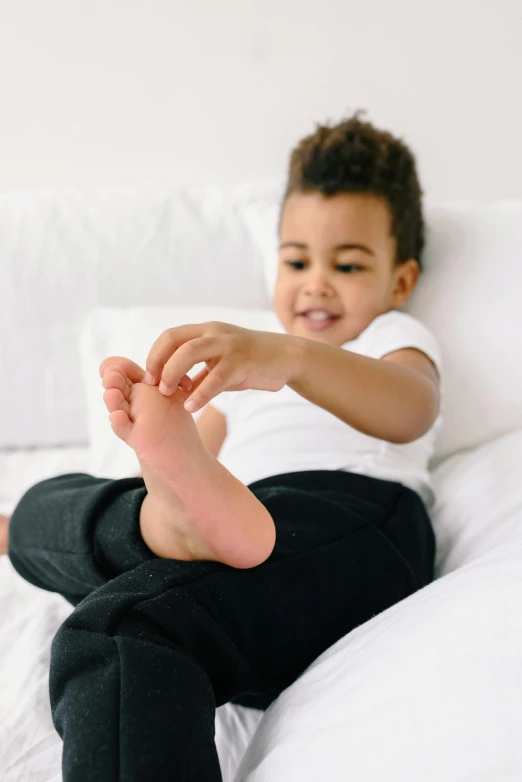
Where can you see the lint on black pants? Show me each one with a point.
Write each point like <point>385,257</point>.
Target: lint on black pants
<point>155,645</point>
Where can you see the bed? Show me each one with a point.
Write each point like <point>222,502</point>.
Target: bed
<point>430,688</point>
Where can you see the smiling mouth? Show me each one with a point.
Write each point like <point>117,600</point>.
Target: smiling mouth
<point>319,324</point>
<point>304,314</point>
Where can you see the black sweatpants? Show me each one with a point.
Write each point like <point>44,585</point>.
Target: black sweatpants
<point>155,645</point>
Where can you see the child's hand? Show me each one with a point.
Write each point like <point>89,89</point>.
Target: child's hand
<point>236,359</point>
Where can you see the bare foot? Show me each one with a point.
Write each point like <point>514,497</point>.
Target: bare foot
<point>195,508</point>
<point>4,534</point>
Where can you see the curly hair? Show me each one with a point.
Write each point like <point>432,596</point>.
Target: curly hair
<point>355,157</point>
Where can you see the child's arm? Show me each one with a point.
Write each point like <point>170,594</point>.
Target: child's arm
<point>395,398</point>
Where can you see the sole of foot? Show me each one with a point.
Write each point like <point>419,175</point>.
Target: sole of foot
<point>195,509</point>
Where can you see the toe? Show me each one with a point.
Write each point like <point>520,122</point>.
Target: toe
<point>115,400</point>
<point>114,377</point>
<point>111,361</point>
<point>133,371</point>
<point>121,424</point>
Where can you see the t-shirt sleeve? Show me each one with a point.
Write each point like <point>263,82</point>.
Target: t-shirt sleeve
<point>400,330</point>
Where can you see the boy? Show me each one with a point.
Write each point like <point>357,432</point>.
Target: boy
<point>196,584</point>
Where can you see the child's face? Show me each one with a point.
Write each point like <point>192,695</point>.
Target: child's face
<point>315,272</point>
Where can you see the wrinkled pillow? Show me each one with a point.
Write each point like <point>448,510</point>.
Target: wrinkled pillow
<point>479,502</point>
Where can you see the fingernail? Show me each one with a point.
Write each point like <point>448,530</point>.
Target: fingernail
<point>148,379</point>
<point>163,388</point>
<point>189,405</point>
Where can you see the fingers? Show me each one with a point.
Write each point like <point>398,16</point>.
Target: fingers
<point>199,378</point>
<point>210,386</point>
<point>186,383</point>
<point>196,351</point>
<point>134,372</point>
<point>165,346</point>
<point>177,350</point>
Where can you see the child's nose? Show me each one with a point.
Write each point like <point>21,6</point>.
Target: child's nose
<point>318,284</point>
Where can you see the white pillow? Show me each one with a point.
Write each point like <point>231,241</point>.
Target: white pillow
<point>469,294</point>
<point>131,332</point>
<point>429,690</point>
<point>66,251</point>
<point>478,502</point>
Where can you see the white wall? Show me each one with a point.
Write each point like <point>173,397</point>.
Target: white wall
<point>98,92</point>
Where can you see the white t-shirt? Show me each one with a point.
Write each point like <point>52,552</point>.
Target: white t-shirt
<point>269,433</point>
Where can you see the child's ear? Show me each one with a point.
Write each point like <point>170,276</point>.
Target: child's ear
<point>406,276</point>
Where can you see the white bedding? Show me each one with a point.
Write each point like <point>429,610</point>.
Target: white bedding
<point>430,688</point>
<point>30,748</point>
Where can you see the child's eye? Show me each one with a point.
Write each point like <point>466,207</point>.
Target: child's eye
<point>294,263</point>
<point>349,266</point>
<point>344,267</point>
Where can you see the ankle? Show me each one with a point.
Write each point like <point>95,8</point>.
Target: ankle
<point>161,538</point>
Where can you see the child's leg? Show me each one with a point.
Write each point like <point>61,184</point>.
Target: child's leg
<point>72,533</point>
<point>195,508</point>
<point>139,667</point>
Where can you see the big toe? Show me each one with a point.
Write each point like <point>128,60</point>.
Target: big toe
<point>116,398</point>
<point>133,371</point>
<point>116,377</point>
